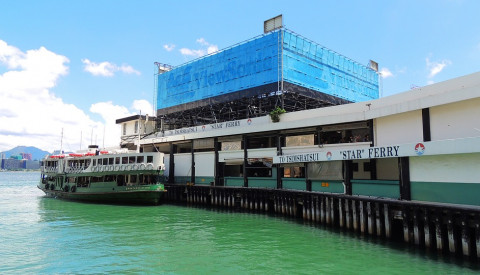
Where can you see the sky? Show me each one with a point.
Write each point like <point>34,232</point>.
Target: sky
<point>77,66</point>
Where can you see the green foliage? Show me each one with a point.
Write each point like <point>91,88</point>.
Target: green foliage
<point>275,114</point>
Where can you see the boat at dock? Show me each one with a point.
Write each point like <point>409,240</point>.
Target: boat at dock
<point>118,176</point>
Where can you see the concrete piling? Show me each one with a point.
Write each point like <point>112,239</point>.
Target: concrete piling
<point>447,228</point>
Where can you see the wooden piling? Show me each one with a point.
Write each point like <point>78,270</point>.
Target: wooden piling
<point>363,218</point>
<point>439,232</point>
<point>387,221</point>
<point>371,220</point>
<point>406,228</point>
<point>465,237</point>
<point>340,213</point>
<point>355,216</point>
<point>451,235</point>
<point>378,219</point>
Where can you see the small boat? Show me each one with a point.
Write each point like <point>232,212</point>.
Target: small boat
<point>118,177</point>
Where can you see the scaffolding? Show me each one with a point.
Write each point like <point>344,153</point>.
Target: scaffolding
<point>250,79</point>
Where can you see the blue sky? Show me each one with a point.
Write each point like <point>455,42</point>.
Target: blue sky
<point>79,65</point>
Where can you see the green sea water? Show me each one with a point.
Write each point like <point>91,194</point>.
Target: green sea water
<point>40,235</point>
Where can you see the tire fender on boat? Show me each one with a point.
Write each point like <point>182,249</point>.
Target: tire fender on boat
<point>150,166</point>
<point>134,167</point>
<point>142,166</point>
<point>127,167</point>
<point>117,168</point>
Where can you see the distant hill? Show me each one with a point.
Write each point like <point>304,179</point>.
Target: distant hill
<point>37,154</point>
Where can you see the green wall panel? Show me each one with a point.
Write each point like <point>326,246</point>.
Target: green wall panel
<point>447,192</point>
<point>376,188</point>
<point>294,183</point>
<point>233,181</point>
<point>331,186</point>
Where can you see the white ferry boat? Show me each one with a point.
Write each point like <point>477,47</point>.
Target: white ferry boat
<point>118,176</point>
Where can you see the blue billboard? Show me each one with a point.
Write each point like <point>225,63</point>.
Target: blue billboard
<point>250,64</point>
<point>256,62</point>
<point>313,66</point>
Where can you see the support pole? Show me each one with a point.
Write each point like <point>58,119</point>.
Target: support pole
<point>245,160</point>
<point>279,168</point>
<point>171,165</point>
<point>348,175</point>
<point>404,169</point>
<point>216,172</point>
<point>192,178</point>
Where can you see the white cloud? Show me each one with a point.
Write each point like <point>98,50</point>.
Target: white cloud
<point>212,49</point>
<point>189,52</point>
<point>30,114</point>
<point>169,47</point>
<point>208,49</point>
<point>106,68</point>
<point>202,42</point>
<point>436,67</point>
<point>385,73</point>
<point>142,106</point>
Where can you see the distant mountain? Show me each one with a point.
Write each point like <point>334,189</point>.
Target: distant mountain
<point>37,154</point>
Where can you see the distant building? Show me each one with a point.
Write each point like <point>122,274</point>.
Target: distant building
<point>26,156</point>
<point>31,164</point>
<point>12,164</point>
<point>2,156</point>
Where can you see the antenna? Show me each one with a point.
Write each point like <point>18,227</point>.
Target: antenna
<point>61,143</point>
<point>103,137</point>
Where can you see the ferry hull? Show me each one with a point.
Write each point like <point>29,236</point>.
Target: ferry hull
<point>140,197</point>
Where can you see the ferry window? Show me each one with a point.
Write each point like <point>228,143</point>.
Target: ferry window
<point>110,161</point>
<point>149,159</point>
<point>233,170</point>
<point>332,137</point>
<point>259,168</point>
<point>124,160</point>
<point>131,160</point>
<point>117,160</point>
<point>136,127</point>
<point>97,179</point>
<point>140,159</point>
<point>261,142</point>
<point>133,179</point>
<point>294,172</point>
<point>105,161</point>
<point>94,162</point>
<point>300,140</point>
<point>121,180</point>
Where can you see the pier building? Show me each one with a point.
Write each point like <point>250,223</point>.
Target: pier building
<point>403,166</point>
